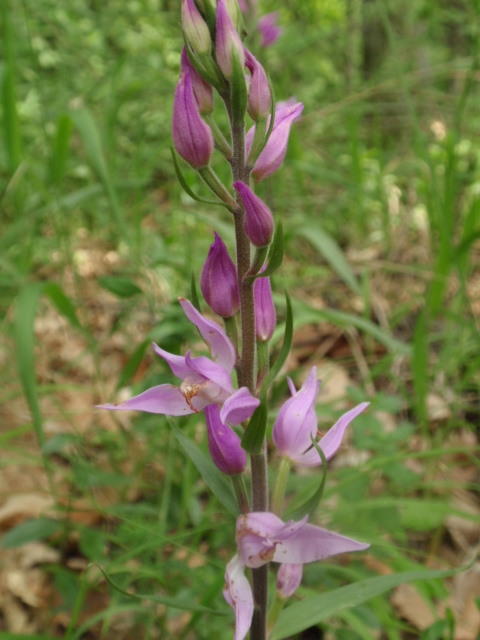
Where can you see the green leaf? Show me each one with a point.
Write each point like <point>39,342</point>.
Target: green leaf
<point>255,432</point>
<point>5,635</point>
<point>121,287</point>
<point>60,148</point>
<point>311,503</point>
<point>214,478</point>
<point>310,611</point>
<point>286,344</point>
<point>63,303</point>
<point>343,319</point>
<point>275,253</point>
<point>25,311</point>
<point>184,184</point>
<point>132,364</point>
<point>30,531</point>
<point>174,603</point>
<point>194,292</point>
<point>87,128</point>
<point>326,245</point>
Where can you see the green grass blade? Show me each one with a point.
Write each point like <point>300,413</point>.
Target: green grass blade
<point>11,123</point>
<point>88,131</point>
<point>215,479</point>
<point>26,309</point>
<point>60,149</point>
<point>311,611</point>
<point>326,245</point>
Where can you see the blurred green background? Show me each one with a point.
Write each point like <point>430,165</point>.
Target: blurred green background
<point>379,196</point>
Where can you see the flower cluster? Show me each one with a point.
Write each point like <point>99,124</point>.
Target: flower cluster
<point>232,385</point>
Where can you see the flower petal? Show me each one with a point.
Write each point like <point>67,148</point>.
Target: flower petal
<point>289,577</point>
<point>213,372</point>
<point>296,420</point>
<point>164,398</point>
<point>224,444</point>
<point>332,440</point>
<point>238,594</point>
<point>220,346</point>
<point>176,363</point>
<point>238,407</point>
<point>310,543</point>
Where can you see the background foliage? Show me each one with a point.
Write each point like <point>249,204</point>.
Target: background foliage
<point>379,198</point>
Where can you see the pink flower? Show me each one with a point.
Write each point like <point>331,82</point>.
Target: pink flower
<point>296,423</point>
<point>274,152</point>
<point>192,137</point>
<point>205,381</point>
<point>263,537</point>
<point>269,30</point>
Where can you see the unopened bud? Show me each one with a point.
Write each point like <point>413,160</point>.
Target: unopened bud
<point>195,28</point>
<point>218,281</point>
<point>228,44</point>
<point>289,577</point>
<point>224,444</point>
<point>258,219</point>
<point>203,91</point>
<point>259,95</point>
<point>265,316</point>
<point>192,137</point>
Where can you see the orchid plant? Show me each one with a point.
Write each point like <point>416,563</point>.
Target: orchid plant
<point>232,386</point>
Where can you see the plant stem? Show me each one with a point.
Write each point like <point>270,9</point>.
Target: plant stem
<point>247,372</point>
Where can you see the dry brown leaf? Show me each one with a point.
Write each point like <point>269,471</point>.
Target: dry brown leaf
<point>412,607</point>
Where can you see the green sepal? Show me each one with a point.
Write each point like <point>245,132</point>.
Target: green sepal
<point>185,186</point>
<point>254,435</point>
<point>194,299</point>
<point>312,503</point>
<point>238,90</point>
<point>286,344</point>
<point>275,254</point>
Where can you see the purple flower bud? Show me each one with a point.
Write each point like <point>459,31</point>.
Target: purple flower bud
<point>192,137</point>
<point>202,91</point>
<point>269,30</point>
<point>195,28</point>
<point>265,317</point>
<point>218,281</point>
<point>228,43</point>
<point>274,152</point>
<point>258,219</point>
<point>289,577</point>
<point>224,444</point>
<point>259,95</point>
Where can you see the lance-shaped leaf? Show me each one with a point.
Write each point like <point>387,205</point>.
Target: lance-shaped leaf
<point>286,344</point>
<point>186,188</point>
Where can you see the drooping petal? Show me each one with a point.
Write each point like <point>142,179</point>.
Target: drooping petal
<point>296,420</point>
<point>220,346</point>
<point>238,407</point>
<point>224,444</point>
<point>164,398</point>
<point>289,577</point>
<point>311,543</point>
<point>238,594</point>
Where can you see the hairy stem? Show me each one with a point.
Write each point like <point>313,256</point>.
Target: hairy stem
<point>247,373</point>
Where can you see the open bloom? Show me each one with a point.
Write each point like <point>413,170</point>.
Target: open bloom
<point>263,537</point>
<point>296,423</point>
<point>205,381</point>
<point>274,152</point>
